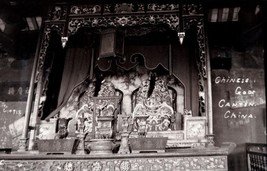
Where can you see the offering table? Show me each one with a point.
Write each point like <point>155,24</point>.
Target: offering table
<point>202,159</point>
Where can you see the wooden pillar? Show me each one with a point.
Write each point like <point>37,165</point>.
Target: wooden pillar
<point>209,89</point>
<point>24,137</point>
<point>57,22</point>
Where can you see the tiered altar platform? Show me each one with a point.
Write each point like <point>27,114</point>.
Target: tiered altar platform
<point>211,159</point>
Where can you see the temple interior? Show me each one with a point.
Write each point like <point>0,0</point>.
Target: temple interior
<point>131,86</point>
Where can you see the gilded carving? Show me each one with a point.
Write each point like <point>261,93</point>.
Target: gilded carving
<point>68,166</point>
<point>43,71</point>
<point>192,9</point>
<point>199,23</point>
<point>100,108</point>
<point>97,166</point>
<point>148,14</point>
<point>195,127</point>
<point>201,61</point>
<point>153,17</point>
<point>162,7</point>
<point>156,107</point>
<point>45,43</point>
<point>125,165</point>
<point>85,9</point>
<point>172,20</point>
<point>207,163</point>
<point>57,13</point>
<point>117,8</point>
<point>140,8</point>
<point>47,130</point>
<point>124,8</point>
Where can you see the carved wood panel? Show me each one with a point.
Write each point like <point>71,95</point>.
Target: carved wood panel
<point>194,163</point>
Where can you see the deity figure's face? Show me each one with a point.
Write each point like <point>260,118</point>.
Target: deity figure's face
<point>151,103</point>
<point>164,111</point>
<point>110,110</point>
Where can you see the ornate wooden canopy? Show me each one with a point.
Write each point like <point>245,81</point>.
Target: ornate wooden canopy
<point>67,19</point>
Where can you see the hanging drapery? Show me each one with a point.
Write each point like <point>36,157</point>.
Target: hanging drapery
<point>76,70</point>
<point>151,42</point>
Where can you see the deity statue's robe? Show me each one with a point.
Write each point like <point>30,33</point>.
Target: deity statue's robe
<point>155,106</point>
<point>83,106</point>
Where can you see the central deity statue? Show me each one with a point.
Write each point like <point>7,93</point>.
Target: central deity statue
<point>153,110</point>
<point>146,98</point>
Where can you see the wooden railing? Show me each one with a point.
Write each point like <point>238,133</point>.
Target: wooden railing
<point>256,156</point>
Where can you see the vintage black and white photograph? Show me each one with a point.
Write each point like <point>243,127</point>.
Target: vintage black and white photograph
<point>133,85</point>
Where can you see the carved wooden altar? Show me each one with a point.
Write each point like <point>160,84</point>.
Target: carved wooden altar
<point>178,161</point>
<point>161,111</point>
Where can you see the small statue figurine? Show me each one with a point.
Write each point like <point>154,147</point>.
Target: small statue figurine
<point>142,126</point>
<point>62,128</point>
<point>124,147</point>
<point>81,135</point>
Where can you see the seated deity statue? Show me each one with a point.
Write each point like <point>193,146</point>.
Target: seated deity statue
<point>155,108</point>
<point>98,109</point>
<point>80,107</point>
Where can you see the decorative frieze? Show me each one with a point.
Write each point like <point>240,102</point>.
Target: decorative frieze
<point>57,13</point>
<point>162,7</point>
<point>193,9</point>
<point>125,8</point>
<point>126,20</point>
<point>85,9</point>
<point>120,8</point>
<point>201,163</point>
